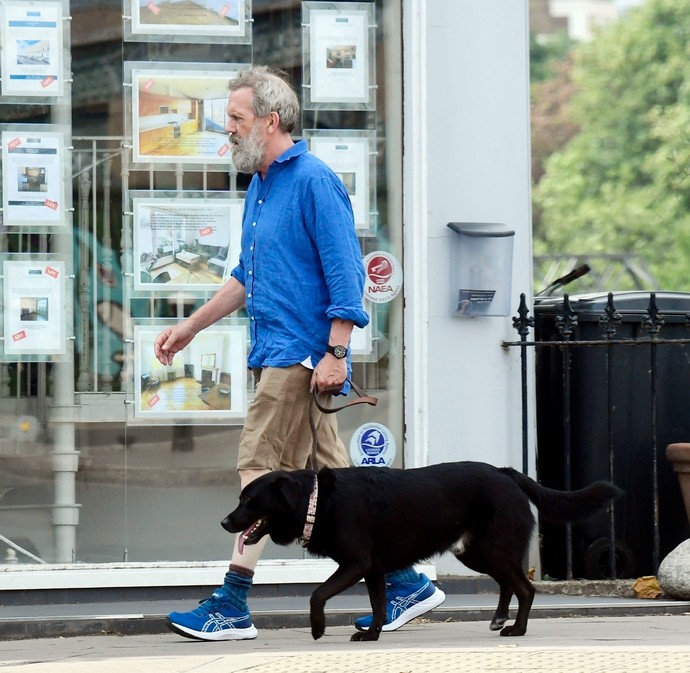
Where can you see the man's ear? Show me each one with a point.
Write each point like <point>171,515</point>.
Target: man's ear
<point>273,121</point>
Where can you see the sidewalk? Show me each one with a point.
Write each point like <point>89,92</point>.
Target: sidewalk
<point>656,644</point>
<point>572,633</point>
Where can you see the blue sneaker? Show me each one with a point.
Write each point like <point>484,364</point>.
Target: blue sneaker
<point>406,601</point>
<point>215,619</point>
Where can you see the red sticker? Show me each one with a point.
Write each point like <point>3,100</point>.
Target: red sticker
<point>53,205</point>
<point>154,401</point>
<point>152,6</point>
<point>223,150</point>
<point>224,10</point>
<point>205,231</point>
<point>148,85</point>
<point>50,271</point>
<point>14,143</point>
<point>47,81</point>
<point>19,336</point>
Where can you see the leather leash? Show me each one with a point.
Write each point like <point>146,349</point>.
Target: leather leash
<point>362,398</point>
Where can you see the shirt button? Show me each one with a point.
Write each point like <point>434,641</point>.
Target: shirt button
<point>252,317</point>
<point>251,247</point>
<point>253,224</point>
<point>251,273</point>
<point>249,295</point>
<point>261,201</point>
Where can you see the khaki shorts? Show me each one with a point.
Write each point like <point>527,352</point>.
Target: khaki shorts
<point>277,434</point>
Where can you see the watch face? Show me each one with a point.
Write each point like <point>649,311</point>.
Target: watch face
<point>339,351</point>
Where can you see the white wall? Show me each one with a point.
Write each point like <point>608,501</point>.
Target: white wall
<point>467,159</point>
<point>584,16</point>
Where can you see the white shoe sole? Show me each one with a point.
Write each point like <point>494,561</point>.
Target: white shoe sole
<point>222,634</point>
<point>416,610</point>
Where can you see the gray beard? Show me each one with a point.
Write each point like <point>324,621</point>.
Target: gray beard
<point>248,153</point>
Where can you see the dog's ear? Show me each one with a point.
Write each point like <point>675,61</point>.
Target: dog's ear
<point>290,489</point>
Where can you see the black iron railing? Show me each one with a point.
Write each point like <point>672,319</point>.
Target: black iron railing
<point>612,378</point>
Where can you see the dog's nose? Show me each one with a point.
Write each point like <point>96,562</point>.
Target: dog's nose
<point>226,523</point>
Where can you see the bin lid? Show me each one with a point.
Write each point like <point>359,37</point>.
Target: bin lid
<point>487,229</point>
<point>627,303</point>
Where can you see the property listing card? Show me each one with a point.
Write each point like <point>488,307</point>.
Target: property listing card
<point>33,311</point>
<point>32,178</point>
<point>31,48</point>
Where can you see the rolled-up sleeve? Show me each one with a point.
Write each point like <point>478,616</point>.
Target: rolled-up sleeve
<point>341,256</point>
<point>238,273</point>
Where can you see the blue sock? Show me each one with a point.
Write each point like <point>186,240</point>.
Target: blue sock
<point>236,587</point>
<point>408,575</point>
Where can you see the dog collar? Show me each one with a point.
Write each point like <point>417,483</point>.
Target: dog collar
<point>311,513</point>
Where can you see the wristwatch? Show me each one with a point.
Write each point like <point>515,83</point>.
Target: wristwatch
<point>337,351</point>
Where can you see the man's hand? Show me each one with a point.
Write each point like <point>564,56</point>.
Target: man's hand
<point>171,341</point>
<point>329,375</point>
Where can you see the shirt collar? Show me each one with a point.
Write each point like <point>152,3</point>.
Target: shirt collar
<point>300,147</point>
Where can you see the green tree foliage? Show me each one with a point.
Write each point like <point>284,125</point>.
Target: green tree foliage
<point>544,56</point>
<point>622,184</point>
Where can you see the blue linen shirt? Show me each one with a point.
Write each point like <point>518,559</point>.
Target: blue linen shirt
<point>300,263</point>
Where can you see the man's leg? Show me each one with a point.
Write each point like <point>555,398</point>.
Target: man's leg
<point>225,615</point>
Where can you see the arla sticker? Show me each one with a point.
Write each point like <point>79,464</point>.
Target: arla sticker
<point>384,277</point>
<point>372,445</point>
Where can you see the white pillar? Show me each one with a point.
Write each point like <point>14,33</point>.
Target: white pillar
<point>65,457</point>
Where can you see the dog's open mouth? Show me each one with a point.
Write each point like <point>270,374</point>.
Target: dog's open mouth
<point>252,534</point>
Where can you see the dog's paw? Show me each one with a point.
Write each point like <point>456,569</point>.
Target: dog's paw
<point>369,634</point>
<point>497,624</point>
<point>317,621</point>
<point>318,628</point>
<point>513,630</point>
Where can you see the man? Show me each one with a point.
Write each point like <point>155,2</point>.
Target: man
<point>300,277</point>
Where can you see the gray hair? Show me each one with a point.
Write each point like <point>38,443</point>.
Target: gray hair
<point>272,93</point>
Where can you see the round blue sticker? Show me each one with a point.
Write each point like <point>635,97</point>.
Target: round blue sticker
<point>372,445</point>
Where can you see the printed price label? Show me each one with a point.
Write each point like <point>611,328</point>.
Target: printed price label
<point>19,336</point>
<point>53,205</point>
<point>148,85</point>
<point>47,81</point>
<point>223,150</point>
<point>14,143</point>
<point>224,10</point>
<point>205,231</point>
<point>153,7</point>
<point>50,271</point>
<point>153,401</point>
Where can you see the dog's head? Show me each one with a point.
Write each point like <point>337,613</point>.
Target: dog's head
<point>273,504</point>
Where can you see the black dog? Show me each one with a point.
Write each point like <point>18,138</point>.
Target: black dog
<point>377,520</point>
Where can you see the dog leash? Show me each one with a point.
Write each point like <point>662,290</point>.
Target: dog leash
<point>362,398</point>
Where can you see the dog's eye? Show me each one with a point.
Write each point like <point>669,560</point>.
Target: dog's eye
<point>244,499</point>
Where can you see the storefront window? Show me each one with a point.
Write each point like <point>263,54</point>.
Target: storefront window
<point>105,455</point>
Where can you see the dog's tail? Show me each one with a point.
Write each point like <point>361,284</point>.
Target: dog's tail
<point>565,506</point>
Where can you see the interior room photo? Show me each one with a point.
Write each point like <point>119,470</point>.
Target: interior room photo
<point>197,385</point>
